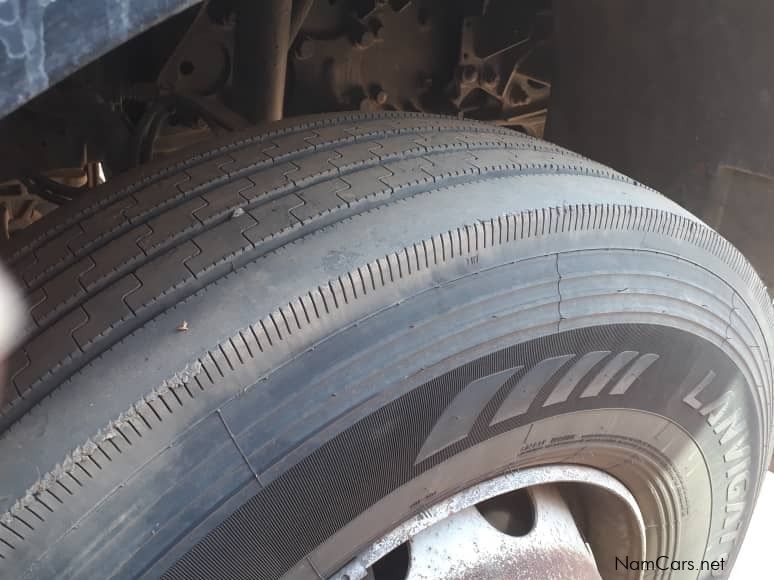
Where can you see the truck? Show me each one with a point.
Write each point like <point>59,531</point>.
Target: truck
<point>383,289</point>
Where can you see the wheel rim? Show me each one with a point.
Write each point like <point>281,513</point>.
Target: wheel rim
<point>469,535</point>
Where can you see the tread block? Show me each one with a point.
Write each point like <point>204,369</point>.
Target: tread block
<point>330,134</point>
<point>61,289</point>
<point>401,145</point>
<point>481,138</point>
<point>223,200</point>
<point>47,350</point>
<point>119,253</point>
<point>172,224</point>
<point>211,171</point>
<point>220,242</point>
<point>15,364</point>
<point>106,309</point>
<point>162,274</point>
<point>158,194</point>
<point>374,127</point>
<point>273,217</point>
<point>104,221</point>
<point>271,180</point>
<point>320,198</point>
<point>432,124</point>
<point>52,252</point>
<point>315,164</point>
<point>445,140</point>
<point>366,182</point>
<point>452,163</point>
<point>408,172</point>
<point>247,157</point>
<point>497,159</point>
<point>292,143</point>
<point>357,153</point>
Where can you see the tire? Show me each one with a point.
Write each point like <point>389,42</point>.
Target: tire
<point>381,310</point>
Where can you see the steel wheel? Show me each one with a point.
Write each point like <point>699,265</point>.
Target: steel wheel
<point>518,526</point>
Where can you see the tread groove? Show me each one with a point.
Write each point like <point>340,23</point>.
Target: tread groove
<point>14,532</point>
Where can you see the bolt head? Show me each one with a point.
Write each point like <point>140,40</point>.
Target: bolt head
<point>305,49</point>
<point>489,76</point>
<point>516,95</point>
<point>469,74</point>
<point>366,39</point>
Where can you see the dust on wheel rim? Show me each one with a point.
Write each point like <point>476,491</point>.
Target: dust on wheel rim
<point>457,539</point>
